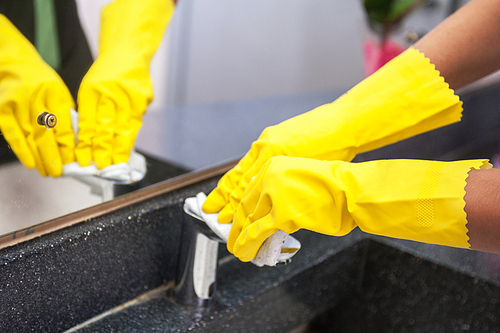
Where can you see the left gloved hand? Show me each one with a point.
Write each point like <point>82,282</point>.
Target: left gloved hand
<point>409,199</point>
<point>28,87</point>
<point>404,98</point>
<point>115,92</point>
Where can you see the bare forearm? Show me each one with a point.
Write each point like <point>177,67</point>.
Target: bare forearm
<point>466,46</point>
<point>483,209</point>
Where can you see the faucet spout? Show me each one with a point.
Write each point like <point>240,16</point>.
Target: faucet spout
<point>196,277</point>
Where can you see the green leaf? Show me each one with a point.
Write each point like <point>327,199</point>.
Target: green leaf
<point>387,11</point>
<point>399,7</point>
<point>378,10</point>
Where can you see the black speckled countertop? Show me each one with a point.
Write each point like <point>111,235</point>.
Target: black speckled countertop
<point>113,273</point>
<point>351,284</point>
<point>254,299</point>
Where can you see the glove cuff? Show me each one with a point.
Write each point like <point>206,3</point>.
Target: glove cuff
<point>133,29</point>
<point>404,98</point>
<point>415,200</point>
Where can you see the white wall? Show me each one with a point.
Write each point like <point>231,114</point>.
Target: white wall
<point>250,49</point>
<point>220,50</point>
<point>224,50</point>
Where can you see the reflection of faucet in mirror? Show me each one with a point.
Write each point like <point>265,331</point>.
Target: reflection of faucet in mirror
<point>112,96</point>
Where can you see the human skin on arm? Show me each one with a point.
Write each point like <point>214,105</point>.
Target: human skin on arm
<point>482,206</point>
<point>464,48</point>
<point>444,47</point>
<point>345,127</point>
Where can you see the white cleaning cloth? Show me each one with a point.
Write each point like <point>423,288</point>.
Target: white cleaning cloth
<point>125,173</point>
<point>279,247</point>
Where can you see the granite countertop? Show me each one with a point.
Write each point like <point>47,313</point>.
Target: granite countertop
<point>353,283</point>
<point>113,273</point>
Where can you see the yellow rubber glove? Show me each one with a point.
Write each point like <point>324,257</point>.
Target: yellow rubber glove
<point>404,98</point>
<point>115,92</point>
<point>28,87</point>
<point>409,199</point>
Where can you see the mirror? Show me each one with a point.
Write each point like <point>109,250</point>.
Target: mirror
<point>224,71</point>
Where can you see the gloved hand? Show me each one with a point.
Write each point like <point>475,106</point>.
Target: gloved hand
<point>409,199</point>
<point>115,92</point>
<point>404,98</point>
<point>28,87</point>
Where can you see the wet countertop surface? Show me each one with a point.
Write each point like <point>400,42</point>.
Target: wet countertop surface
<point>354,283</point>
<point>249,298</point>
<point>113,272</point>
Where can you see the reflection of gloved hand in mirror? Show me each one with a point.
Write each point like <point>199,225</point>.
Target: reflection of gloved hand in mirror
<point>408,199</point>
<point>28,87</point>
<point>414,99</point>
<point>115,92</point>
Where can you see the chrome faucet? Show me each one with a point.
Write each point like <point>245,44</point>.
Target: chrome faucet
<point>196,276</point>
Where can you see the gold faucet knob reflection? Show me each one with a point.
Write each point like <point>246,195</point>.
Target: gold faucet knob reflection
<point>46,119</point>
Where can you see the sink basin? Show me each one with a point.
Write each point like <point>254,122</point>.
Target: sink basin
<point>354,284</point>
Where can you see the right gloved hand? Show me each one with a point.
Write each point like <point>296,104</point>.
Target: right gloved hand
<point>28,87</point>
<point>408,199</point>
<point>406,97</point>
<point>115,92</point>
